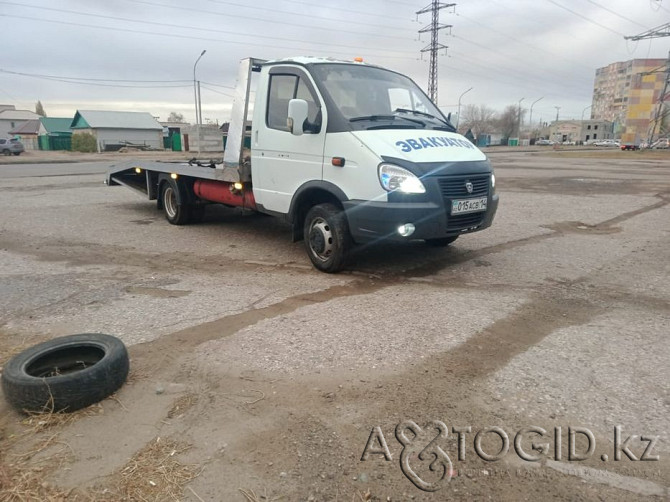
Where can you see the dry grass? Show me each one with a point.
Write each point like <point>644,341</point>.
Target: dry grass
<point>152,474</point>
<point>24,465</point>
<point>182,405</point>
<point>22,474</point>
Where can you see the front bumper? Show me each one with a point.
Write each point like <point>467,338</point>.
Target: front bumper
<point>379,220</point>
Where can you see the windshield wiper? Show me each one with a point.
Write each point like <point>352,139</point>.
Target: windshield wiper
<point>424,114</point>
<point>387,117</point>
<point>372,117</point>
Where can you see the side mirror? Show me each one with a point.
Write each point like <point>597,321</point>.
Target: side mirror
<point>297,114</point>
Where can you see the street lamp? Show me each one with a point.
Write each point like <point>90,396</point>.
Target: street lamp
<point>458,119</point>
<point>530,119</point>
<point>195,92</point>
<point>581,124</point>
<point>518,132</point>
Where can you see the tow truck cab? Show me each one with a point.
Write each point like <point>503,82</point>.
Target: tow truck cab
<point>373,141</point>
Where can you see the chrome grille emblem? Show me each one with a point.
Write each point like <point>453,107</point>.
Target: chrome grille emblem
<point>469,187</point>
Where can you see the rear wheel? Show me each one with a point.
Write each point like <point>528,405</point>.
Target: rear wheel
<point>327,238</point>
<point>175,212</point>
<point>17,153</point>
<point>442,241</point>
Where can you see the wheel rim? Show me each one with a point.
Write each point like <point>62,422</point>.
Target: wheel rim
<point>321,242</point>
<point>170,202</point>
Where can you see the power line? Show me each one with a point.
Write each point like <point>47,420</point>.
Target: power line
<point>585,18</point>
<point>615,13</point>
<point>95,83</point>
<point>92,79</point>
<point>273,21</point>
<point>434,28</point>
<point>521,42</point>
<point>313,16</point>
<point>174,35</point>
<point>217,92</point>
<point>167,25</point>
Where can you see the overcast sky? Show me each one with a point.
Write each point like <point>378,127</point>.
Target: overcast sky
<point>505,50</point>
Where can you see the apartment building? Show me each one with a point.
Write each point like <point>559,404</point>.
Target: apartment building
<point>627,94</point>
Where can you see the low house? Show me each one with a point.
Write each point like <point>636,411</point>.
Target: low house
<point>57,134</point>
<point>114,130</point>
<point>28,132</point>
<point>11,118</point>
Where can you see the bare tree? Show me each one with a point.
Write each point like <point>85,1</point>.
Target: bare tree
<point>478,118</point>
<point>508,122</point>
<point>175,117</point>
<point>39,109</point>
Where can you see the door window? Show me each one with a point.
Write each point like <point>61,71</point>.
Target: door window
<point>284,88</point>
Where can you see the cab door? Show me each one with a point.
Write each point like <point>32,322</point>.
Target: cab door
<point>282,162</point>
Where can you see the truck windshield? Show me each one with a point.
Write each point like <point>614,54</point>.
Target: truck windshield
<point>365,97</point>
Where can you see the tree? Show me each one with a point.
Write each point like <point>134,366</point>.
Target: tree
<point>508,121</point>
<point>39,109</point>
<point>175,117</point>
<point>84,142</point>
<point>479,119</point>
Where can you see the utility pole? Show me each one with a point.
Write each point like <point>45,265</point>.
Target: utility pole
<point>660,115</point>
<point>434,27</point>
<point>458,117</point>
<point>557,110</point>
<point>197,99</point>
<point>518,131</point>
<point>530,120</point>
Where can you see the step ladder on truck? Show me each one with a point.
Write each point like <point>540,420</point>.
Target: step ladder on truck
<point>346,152</point>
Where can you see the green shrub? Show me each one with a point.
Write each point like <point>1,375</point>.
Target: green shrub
<point>84,142</point>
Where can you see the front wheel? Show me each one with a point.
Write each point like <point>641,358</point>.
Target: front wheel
<point>17,153</point>
<point>327,238</point>
<point>6,152</point>
<point>441,242</point>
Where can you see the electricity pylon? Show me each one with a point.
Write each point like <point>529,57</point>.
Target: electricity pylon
<point>434,27</point>
<point>661,114</point>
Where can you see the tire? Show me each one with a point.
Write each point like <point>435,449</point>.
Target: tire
<point>66,373</point>
<point>6,152</point>
<point>442,241</point>
<point>175,212</point>
<point>327,238</point>
<point>17,153</point>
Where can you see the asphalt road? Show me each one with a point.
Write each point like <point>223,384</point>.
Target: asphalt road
<point>8,171</point>
<point>556,316</point>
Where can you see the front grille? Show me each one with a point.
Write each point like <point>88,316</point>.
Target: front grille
<point>464,221</point>
<point>455,187</point>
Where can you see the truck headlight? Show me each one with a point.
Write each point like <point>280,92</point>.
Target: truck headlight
<point>493,180</point>
<point>394,178</point>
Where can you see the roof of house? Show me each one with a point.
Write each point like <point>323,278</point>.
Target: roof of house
<point>56,124</point>
<point>95,119</point>
<point>18,115</point>
<point>7,107</point>
<point>27,127</point>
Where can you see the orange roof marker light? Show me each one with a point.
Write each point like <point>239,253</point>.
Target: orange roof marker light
<point>358,59</point>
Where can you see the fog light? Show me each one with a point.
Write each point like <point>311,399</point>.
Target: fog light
<point>173,176</point>
<point>406,230</point>
<point>238,186</point>
<point>138,170</point>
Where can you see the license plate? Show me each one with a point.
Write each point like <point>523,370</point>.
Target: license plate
<point>468,205</point>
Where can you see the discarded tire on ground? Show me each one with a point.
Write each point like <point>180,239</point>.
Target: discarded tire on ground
<point>66,373</point>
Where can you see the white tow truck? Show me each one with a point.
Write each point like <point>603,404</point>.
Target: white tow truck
<point>345,151</point>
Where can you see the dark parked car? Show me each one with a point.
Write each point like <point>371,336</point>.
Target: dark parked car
<point>11,146</point>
